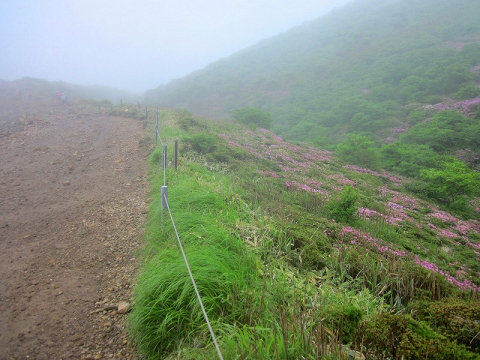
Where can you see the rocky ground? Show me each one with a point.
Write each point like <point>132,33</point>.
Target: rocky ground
<point>72,208</point>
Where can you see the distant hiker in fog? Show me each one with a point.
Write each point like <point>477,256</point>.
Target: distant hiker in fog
<point>59,94</point>
<point>63,98</point>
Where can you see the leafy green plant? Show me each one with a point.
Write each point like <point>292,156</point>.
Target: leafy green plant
<point>467,91</point>
<point>451,182</point>
<point>201,143</point>
<point>456,318</point>
<point>397,336</point>
<point>344,209</point>
<point>253,117</point>
<point>359,150</point>
<point>409,159</point>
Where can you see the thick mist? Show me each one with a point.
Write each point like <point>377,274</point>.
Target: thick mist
<point>136,45</point>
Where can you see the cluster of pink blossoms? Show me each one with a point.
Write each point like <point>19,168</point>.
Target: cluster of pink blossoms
<point>465,106</point>
<point>292,160</point>
<point>356,237</point>
<point>464,284</point>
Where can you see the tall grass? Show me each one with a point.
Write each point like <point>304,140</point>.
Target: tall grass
<point>258,307</point>
<point>166,311</point>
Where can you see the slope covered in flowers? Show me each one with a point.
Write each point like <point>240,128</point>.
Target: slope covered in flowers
<point>405,227</point>
<point>300,255</point>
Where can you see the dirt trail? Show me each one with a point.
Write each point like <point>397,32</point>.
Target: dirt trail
<point>72,207</point>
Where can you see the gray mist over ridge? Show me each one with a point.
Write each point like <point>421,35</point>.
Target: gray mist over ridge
<point>136,46</point>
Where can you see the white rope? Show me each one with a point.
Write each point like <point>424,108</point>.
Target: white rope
<point>193,282</point>
<point>161,142</point>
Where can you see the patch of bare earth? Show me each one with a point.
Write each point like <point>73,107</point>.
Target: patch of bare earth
<point>72,209</point>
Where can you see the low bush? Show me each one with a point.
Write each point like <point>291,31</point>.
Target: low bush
<point>399,336</point>
<point>344,209</point>
<point>457,319</point>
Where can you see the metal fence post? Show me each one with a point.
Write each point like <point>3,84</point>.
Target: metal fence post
<point>164,194</point>
<point>175,159</point>
<point>164,156</point>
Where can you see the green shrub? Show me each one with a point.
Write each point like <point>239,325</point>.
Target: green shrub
<point>201,143</point>
<point>453,181</point>
<point>399,336</point>
<point>344,209</point>
<point>455,318</point>
<point>187,121</point>
<point>359,150</point>
<point>467,91</point>
<point>345,319</point>
<point>253,117</point>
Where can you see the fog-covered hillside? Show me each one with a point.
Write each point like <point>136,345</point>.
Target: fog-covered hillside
<point>370,66</point>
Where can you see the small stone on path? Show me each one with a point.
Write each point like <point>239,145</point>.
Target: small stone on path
<point>123,307</point>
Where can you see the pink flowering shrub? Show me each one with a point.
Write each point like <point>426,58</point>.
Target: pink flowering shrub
<point>291,161</point>
<point>464,106</point>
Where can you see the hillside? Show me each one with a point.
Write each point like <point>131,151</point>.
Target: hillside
<point>369,67</point>
<point>35,89</point>
<point>297,254</point>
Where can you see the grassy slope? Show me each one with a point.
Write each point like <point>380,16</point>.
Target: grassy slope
<point>279,277</point>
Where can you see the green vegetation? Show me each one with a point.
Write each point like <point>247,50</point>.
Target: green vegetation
<point>308,253</point>
<point>359,150</point>
<point>253,117</point>
<point>451,182</point>
<point>298,255</point>
<point>378,96</point>
<point>345,208</point>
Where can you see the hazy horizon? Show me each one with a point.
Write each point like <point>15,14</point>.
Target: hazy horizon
<point>137,46</point>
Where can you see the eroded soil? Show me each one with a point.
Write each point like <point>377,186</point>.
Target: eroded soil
<point>72,207</point>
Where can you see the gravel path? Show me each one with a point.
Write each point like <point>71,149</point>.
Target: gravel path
<point>72,208</point>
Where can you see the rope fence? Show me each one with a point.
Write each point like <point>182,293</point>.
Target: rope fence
<point>165,205</point>
<point>164,198</point>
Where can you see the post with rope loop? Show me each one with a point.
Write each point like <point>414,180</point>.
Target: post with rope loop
<point>164,190</point>
<point>164,195</point>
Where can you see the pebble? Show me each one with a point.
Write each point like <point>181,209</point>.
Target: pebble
<point>123,307</point>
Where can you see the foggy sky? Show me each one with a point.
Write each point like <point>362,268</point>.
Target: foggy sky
<point>138,44</point>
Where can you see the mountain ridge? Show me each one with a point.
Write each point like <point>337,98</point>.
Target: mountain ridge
<point>362,55</point>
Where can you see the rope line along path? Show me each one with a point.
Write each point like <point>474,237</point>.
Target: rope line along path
<point>164,205</point>
<point>164,199</point>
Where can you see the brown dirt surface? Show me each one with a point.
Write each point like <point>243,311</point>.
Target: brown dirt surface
<point>72,209</point>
